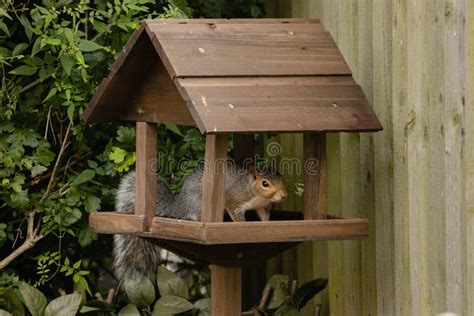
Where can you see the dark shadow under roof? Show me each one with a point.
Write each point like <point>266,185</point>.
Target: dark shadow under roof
<point>252,75</point>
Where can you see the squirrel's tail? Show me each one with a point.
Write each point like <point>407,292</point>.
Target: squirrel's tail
<point>136,258</point>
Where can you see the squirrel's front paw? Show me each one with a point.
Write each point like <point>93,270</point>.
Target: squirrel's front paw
<point>237,216</point>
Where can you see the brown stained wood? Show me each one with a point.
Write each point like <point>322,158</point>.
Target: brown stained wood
<point>213,182</point>
<point>282,105</point>
<point>244,149</point>
<point>314,175</point>
<point>283,227</point>
<point>255,232</point>
<point>116,223</point>
<point>199,50</point>
<point>226,290</point>
<point>145,186</point>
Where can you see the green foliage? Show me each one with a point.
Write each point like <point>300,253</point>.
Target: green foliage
<point>281,299</point>
<point>53,54</point>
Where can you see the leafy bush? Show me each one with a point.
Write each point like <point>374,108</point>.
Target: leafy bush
<point>54,170</point>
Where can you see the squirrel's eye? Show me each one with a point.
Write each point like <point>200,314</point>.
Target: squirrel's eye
<point>265,184</point>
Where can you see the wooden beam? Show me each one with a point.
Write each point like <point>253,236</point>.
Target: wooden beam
<point>255,232</point>
<point>145,188</point>
<point>226,290</point>
<point>314,175</point>
<point>116,223</point>
<point>213,182</point>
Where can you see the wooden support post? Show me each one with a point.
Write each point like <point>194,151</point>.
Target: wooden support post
<point>226,290</point>
<point>145,186</point>
<point>226,282</point>
<point>213,182</point>
<point>314,176</point>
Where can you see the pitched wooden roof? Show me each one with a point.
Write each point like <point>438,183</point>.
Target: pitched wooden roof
<point>242,75</point>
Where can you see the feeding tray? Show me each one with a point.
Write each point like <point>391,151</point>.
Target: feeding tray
<point>232,78</point>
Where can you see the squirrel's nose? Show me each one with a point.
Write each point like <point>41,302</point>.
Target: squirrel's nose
<point>283,195</point>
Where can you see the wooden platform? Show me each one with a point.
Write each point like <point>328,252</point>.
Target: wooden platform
<point>284,227</point>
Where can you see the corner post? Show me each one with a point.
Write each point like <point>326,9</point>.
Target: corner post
<point>213,180</point>
<point>145,185</point>
<point>226,282</point>
<point>314,175</point>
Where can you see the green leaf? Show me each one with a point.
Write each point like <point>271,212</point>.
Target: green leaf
<point>92,203</point>
<point>67,63</point>
<point>129,310</point>
<point>51,94</point>
<point>171,305</point>
<point>36,46</point>
<point>4,13</point>
<point>20,200</point>
<point>69,35</point>
<point>140,291</point>
<point>24,70</point>
<point>174,129</point>
<point>4,28</point>
<point>170,283</point>
<point>203,306</point>
<point>86,236</point>
<point>27,25</point>
<point>88,46</point>
<point>19,48</point>
<point>33,299</point>
<point>38,169</point>
<point>43,156</point>
<point>65,305</point>
<point>84,176</point>
<point>92,307</point>
<point>52,41</point>
<point>278,297</point>
<point>117,154</point>
<point>12,302</point>
<point>308,290</point>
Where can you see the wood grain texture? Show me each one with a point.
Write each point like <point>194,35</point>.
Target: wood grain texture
<point>247,49</point>
<point>226,290</point>
<point>412,60</point>
<point>314,176</point>
<point>213,182</point>
<point>116,223</point>
<point>236,105</point>
<point>256,232</point>
<point>145,183</point>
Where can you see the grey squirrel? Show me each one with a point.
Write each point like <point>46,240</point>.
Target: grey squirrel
<point>136,258</point>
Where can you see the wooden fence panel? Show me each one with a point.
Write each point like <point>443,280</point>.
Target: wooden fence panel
<point>413,181</point>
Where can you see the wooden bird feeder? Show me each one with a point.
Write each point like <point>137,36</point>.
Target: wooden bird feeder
<point>235,77</point>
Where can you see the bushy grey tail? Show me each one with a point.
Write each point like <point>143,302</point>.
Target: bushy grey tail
<point>134,257</point>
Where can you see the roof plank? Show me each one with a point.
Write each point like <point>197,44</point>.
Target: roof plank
<point>210,50</point>
<point>279,104</point>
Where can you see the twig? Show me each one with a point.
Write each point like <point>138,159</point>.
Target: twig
<point>110,296</point>
<point>265,296</point>
<point>317,310</point>
<point>294,287</point>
